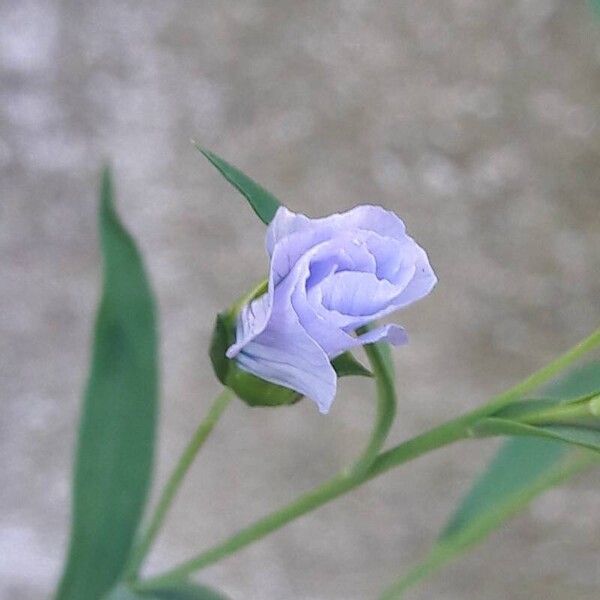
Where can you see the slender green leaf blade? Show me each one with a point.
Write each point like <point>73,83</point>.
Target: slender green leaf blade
<point>263,203</point>
<point>345,365</point>
<point>179,591</point>
<point>187,591</point>
<point>116,434</point>
<point>523,468</point>
<point>582,381</point>
<point>477,521</point>
<point>122,592</point>
<point>518,462</point>
<point>526,409</point>
<point>521,460</point>
<point>579,436</point>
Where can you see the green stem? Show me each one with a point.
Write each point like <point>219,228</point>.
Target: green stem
<point>172,486</point>
<point>561,414</point>
<point>386,404</point>
<point>437,437</point>
<point>548,371</point>
<point>333,488</point>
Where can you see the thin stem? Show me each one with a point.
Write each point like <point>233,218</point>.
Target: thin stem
<point>386,405</point>
<point>561,414</point>
<point>437,437</point>
<point>505,398</point>
<point>546,372</point>
<point>333,488</point>
<point>172,486</point>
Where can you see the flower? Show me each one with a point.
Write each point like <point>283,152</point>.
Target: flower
<point>328,277</point>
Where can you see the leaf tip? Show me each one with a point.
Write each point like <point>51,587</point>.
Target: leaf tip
<point>106,191</point>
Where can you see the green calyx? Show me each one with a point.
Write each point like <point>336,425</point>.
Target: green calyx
<point>253,390</point>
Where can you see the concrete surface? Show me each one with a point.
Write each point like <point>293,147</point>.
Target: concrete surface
<point>477,121</point>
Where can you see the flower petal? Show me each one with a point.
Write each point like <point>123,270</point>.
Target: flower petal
<point>271,343</point>
<point>284,223</point>
<point>365,217</point>
<point>328,277</point>
<point>393,334</point>
<point>421,283</point>
<point>251,321</point>
<point>327,334</point>
<point>285,354</point>
<point>357,294</point>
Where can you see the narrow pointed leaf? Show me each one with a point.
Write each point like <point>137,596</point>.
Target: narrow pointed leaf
<point>180,591</point>
<point>345,365</point>
<point>517,465</point>
<point>581,381</point>
<point>263,203</point>
<point>520,461</point>
<point>528,408</point>
<point>494,499</point>
<point>116,434</point>
<point>523,468</point>
<point>579,436</point>
<point>187,591</point>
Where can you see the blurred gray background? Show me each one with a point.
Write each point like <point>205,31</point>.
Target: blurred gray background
<point>477,121</point>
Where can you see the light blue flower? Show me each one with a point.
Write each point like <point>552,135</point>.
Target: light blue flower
<point>328,277</point>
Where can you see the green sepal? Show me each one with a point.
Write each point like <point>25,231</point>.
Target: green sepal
<point>220,341</point>
<point>346,365</point>
<point>255,391</point>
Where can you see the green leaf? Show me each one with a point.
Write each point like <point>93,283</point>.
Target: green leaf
<point>521,460</point>
<point>187,591</point>
<point>263,203</point>
<point>579,436</point>
<point>181,591</point>
<point>537,408</point>
<point>116,434</point>
<point>523,468</point>
<point>518,463</point>
<point>580,382</point>
<point>122,592</point>
<point>345,364</point>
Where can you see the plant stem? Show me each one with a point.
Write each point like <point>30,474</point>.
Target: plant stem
<point>386,405</point>
<point>548,371</point>
<point>175,479</point>
<point>333,488</point>
<point>561,414</point>
<point>437,437</point>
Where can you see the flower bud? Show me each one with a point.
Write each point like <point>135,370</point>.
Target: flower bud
<point>253,390</point>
